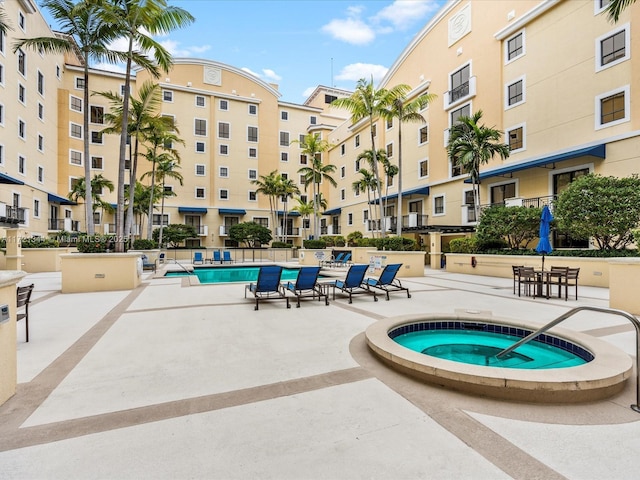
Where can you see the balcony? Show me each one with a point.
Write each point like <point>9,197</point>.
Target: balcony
<point>330,230</point>
<point>414,220</point>
<point>201,230</point>
<point>460,94</point>
<point>12,215</point>
<point>63,224</point>
<point>290,232</point>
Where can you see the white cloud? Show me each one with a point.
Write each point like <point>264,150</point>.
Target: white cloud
<point>110,67</point>
<point>267,74</point>
<point>356,71</point>
<point>350,30</point>
<point>175,50</point>
<point>251,72</point>
<point>308,91</point>
<point>404,13</point>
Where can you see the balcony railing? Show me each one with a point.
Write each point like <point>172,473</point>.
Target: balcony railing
<point>12,215</point>
<point>66,224</point>
<point>460,94</point>
<point>201,230</point>
<point>289,232</point>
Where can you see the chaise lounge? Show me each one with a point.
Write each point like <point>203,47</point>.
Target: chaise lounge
<point>387,281</point>
<point>353,283</point>
<point>306,285</point>
<point>267,286</point>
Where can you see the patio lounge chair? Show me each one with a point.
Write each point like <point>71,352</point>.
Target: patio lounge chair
<point>216,257</point>
<point>198,258</point>
<point>387,280</point>
<point>353,283</point>
<point>23,299</point>
<point>267,286</point>
<point>226,257</point>
<point>162,258</point>
<point>147,265</point>
<point>306,285</point>
<point>343,262</point>
<point>331,262</point>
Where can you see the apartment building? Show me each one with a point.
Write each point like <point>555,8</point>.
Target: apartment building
<point>554,75</point>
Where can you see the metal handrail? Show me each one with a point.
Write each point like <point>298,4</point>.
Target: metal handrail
<point>564,316</point>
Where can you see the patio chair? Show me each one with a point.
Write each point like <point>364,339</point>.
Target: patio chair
<point>515,276</point>
<point>147,265</point>
<point>198,258</point>
<point>344,261</point>
<point>226,257</point>
<point>571,280</point>
<point>216,257</point>
<point>267,286</point>
<point>557,277</point>
<point>23,298</point>
<point>331,262</point>
<point>306,285</point>
<point>387,280</point>
<point>353,282</point>
<point>527,279</point>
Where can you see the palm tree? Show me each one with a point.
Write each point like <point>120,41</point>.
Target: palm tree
<point>305,209</point>
<point>287,189</point>
<point>367,182</point>
<point>131,19</point>
<point>269,186</point>
<point>165,168</point>
<point>98,183</point>
<point>313,147</point>
<point>390,171</point>
<point>85,34</point>
<point>370,103</point>
<point>615,8</point>
<point>405,111</point>
<point>4,21</point>
<point>472,145</point>
<point>378,157</point>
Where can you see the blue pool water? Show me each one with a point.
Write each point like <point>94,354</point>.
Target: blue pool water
<point>480,348</point>
<point>233,274</point>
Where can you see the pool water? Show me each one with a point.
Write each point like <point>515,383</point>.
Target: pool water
<point>480,348</point>
<point>233,274</point>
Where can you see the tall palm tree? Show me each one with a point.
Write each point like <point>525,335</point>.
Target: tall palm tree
<point>369,103</point>
<point>83,33</point>
<point>472,145</point>
<point>372,157</point>
<point>98,183</point>
<point>405,111</point>
<point>4,21</point>
<point>305,209</point>
<point>366,182</point>
<point>287,190</point>
<point>132,19</point>
<point>390,172</point>
<point>165,168</point>
<point>269,186</point>
<point>313,147</point>
<point>615,8</point>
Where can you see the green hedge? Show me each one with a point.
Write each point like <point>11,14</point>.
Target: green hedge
<point>314,244</point>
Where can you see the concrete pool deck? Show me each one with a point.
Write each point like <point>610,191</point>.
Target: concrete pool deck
<point>173,380</point>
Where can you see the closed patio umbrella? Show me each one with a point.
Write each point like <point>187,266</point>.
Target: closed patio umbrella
<point>544,246</point>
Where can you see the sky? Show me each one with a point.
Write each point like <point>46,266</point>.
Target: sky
<point>300,44</point>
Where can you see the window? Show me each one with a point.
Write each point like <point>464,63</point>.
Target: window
<point>200,101</point>
<point>36,208</point>
<point>40,143</point>
<point>301,140</point>
<point>343,194</point>
<point>365,216</point>
<point>301,180</point>
<point>167,96</point>
<point>73,181</point>
<point>75,157</point>
<point>97,114</point>
<point>303,159</point>
<point>253,152</point>
<point>1,154</point>
<point>199,147</point>
<point>79,83</point>
<point>262,221</point>
<point>21,21</point>
<point>464,111</point>
<point>284,139</point>
<point>97,163</point>
<point>223,105</point>
<point>253,109</point>
<point>1,74</point>
<point>356,141</point>
<point>3,41</point>
<point>168,189</point>
<point>284,115</point>
<point>224,150</point>
<point>200,170</point>
<point>200,126</point>
<point>460,84</point>
<point>223,194</point>
<point>612,48</point>
<point>356,189</point>
<point>75,103</point>
<point>350,219</point>
<point>58,71</point>
<point>438,205</point>
<point>96,137</point>
<point>515,93</point>
<point>252,134</point>
<point>157,221</point>
<point>122,89</point>
<point>423,167</point>
<point>22,164</point>
<point>389,123</point>
<point>423,135</point>
<point>22,62</point>
<point>224,172</point>
<point>223,130</point>
<point>96,218</point>
<point>1,114</point>
<point>40,111</point>
<point>40,83</point>
<point>515,137</point>
<point>499,193</point>
<point>40,174</point>
<point>329,98</point>
<point>343,171</point>
<point>22,93</point>
<point>22,129</point>
<point>357,165</point>
<point>169,119</point>
<point>200,192</point>
<point>253,196</point>
<point>515,47</point>
<point>75,130</point>
<point>612,108</point>
<point>284,157</point>
<point>253,174</point>
<point>389,150</point>
<point>343,149</point>
<point>313,120</point>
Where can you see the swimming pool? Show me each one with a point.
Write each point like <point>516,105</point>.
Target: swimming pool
<point>232,274</point>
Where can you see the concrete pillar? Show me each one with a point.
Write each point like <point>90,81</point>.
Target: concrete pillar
<point>8,351</point>
<point>14,252</point>
<point>435,249</point>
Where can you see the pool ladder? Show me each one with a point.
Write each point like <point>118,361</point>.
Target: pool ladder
<point>635,407</point>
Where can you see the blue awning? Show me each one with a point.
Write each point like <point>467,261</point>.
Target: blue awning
<point>597,151</point>
<point>424,190</point>
<point>333,211</point>
<point>7,179</point>
<point>61,200</point>
<point>192,209</point>
<point>293,213</point>
<point>232,211</point>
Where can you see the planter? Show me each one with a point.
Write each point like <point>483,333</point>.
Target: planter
<point>8,347</point>
<point>98,272</point>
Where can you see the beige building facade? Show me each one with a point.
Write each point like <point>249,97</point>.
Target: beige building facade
<point>554,75</point>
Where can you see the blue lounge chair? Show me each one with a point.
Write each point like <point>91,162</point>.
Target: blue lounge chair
<point>387,280</point>
<point>216,257</point>
<point>353,283</point>
<point>267,286</point>
<point>162,258</point>
<point>331,262</point>
<point>147,265</point>
<point>306,285</point>
<point>344,261</point>
<point>198,258</point>
<point>226,257</point>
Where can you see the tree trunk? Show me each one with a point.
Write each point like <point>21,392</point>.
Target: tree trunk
<point>399,210</point>
<point>377,176</point>
<point>88,198</point>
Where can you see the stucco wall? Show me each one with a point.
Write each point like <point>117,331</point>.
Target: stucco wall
<point>97,272</point>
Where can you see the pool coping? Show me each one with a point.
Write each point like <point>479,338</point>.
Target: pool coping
<point>601,378</point>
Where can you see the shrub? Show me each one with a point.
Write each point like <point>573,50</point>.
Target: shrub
<point>353,237</point>
<point>94,244</point>
<point>281,245</point>
<point>364,242</point>
<point>464,245</point>
<point>334,241</point>
<point>394,243</point>
<point>144,244</point>
<point>314,244</point>
<point>512,226</point>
